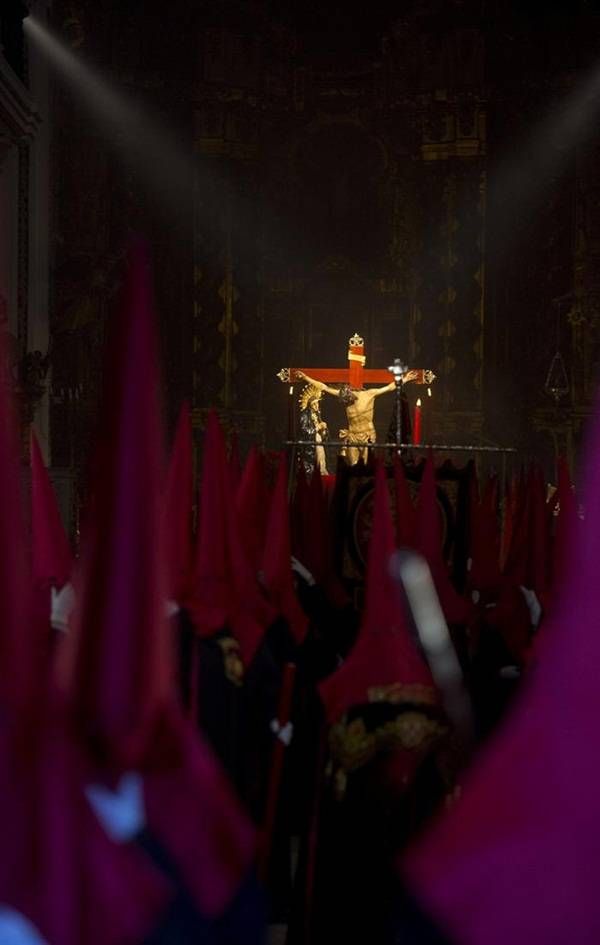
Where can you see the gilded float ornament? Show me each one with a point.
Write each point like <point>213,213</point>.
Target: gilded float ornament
<point>353,745</point>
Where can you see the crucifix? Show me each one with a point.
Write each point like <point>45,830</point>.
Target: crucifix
<point>358,401</point>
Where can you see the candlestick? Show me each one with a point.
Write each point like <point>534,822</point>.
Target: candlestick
<point>291,413</point>
<point>428,419</point>
<point>416,433</point>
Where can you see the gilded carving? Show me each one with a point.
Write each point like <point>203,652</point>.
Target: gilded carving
<point>232,662</point>
<point>352,744</point>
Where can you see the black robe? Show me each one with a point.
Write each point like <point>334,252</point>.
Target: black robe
<point>405,421</point>
<point>347,887</point>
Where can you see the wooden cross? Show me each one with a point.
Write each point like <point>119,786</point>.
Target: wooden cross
<point>355,374</point>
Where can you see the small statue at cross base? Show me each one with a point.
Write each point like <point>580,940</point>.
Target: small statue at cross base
<point>360,408</point>
<point>313,428</point>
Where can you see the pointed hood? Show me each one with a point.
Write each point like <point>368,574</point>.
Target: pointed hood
<point>527,562</point>
<point>502,605</point>
<point>539,542</point>
<point>429,543</point>
<point>178,501</point>
<point>384,654</point>
<point>566,522</point>
<point>195,816</point>
<point>318,540</point>
<point>484,573</point>
<point>515,859</point>
<point>252,504</point>
<point>235,463</point>
<point>511,492</point>
<point>51,556</point>
<point>225,591</point>
<point>406,518</point>
<point>59,873</point>
<point>277,567</point>
<point>123,705</point>
<point>429,523</point>
<point>212,566</point>
<point>119,663</point>
<point>59,870</point>
<point>517,548</point>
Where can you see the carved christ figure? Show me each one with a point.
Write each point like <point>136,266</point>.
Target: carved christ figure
<point>360,409</point>
<point>358,401</point>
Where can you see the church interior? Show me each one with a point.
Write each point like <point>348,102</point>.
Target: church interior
<point>299,437</point>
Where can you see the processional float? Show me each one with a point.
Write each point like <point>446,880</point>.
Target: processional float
<point>356,376</point>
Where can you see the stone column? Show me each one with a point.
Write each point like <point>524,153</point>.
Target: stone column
<point>38,226</point>
<point>19,123</point>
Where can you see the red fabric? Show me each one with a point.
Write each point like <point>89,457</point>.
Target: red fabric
<point>356,368</point>
<point>277,567</point>
<point>566,522</point>
<point>527,562</point>
<point>212,568</point>
<point>538,576</point>
<point>317,539</point>
<point>517,548</point>
<point>225,590</point>
<point>118,662</point>
<point>406,517</point>
<point>235,463</point>
<point>57,867</point>
<point>252,504</point>
<point>508,521</point>
<point>502,605</point>
<point>384,653</point>
<point>484,530</point>
<point>429,543</point>
<point>516,859</point>
<point>192,811</point>
<point>329,482</point>
<point>178,501</point>
<point>122,692</point>
<point>51,556</point>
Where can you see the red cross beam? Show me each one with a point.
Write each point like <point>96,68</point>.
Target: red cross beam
<point>356,375</point>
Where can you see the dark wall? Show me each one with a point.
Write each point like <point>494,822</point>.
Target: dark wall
<point>397,173</point>
<point>12,14</point>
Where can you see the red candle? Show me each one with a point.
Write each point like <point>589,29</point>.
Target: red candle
<point>416,433</point>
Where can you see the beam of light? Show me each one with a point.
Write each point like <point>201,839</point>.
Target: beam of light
<point>135,137</point>
<point>145,146</point>
<point>517,186</point>
<point>412,575</point>
<point>520,180</point>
